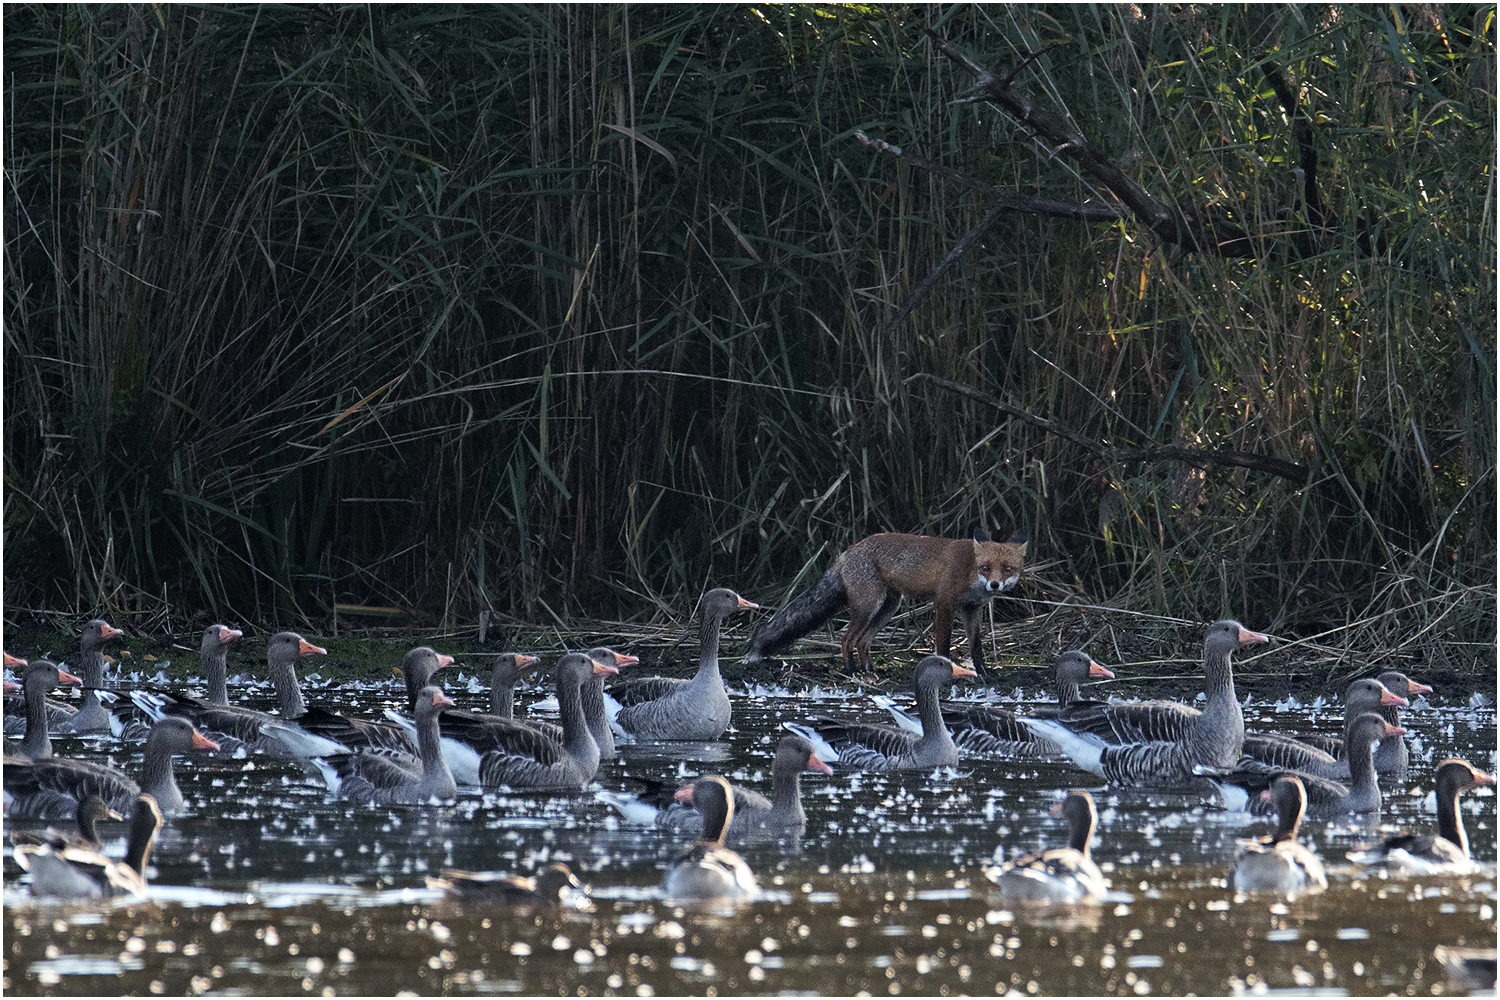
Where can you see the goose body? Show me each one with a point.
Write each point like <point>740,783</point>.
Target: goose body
<point>547,887</point>
<point>1211,738</point>
<point>669,708</point>
<point>1062,874</point>
<point>708,869</point>
<point>76,872</point>
<point>1279,863</point>
<point>51,788</point>
<point>417,668</point>
<point>376,776</point>
<point>871,746</point>
<point>526,758</point>
<point>1445,852</point>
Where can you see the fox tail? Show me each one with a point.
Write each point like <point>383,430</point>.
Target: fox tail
<point>806,612</point>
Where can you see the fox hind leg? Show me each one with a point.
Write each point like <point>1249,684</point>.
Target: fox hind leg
<point>862,628</point>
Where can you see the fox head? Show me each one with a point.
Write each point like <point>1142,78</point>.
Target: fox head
<point>998,563</point>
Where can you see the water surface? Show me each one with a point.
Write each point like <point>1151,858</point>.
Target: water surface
<point>266,886</point>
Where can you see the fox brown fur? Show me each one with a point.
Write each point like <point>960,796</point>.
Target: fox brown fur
<point>870,577</point>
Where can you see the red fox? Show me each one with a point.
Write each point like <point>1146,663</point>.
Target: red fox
<point>871,576</point>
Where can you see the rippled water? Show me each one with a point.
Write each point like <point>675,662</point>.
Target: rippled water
<point>268,887</point>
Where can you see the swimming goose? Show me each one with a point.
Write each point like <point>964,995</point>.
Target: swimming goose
<point>546,887</point>
<point>357,734</point>
<point>871,746</point>
<point>673,708</point>
<point>1278,863</point>
<point>52,787</point>
<point>708,869</point>
<point>1302,755</point>
<point>39,678</point>
<point>84,873</point>
<point>234,726</point>
<point>1062,874</point>
<point>525,758</point>
<point>506,673</point>
<point>1443,853</point>
<point>213,652</point>
<point>1212,737</point>
<point>980,728</point>
<point>756,818</point>
<point>375,776</point>
<point>1392,757</point>
<point>1325,797</point>
<point>91,716</point>
<point>91,810</point>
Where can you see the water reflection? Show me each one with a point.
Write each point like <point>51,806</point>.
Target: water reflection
<point>267,886</point>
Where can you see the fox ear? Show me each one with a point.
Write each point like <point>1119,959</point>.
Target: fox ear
<point>980,535</point>
<point>1020,537</point>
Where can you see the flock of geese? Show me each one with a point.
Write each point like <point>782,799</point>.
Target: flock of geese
<point>424,754</point>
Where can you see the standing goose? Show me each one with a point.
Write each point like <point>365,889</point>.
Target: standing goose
<point>1211,738</point>
<point>1305,756</point>
<point>526,758</point>
<point>91,716</point>
<point>91,810</point>
<point>83,873</point>
<point>708,869</point>
<point>1278,863</point>
<point>1062,874</point>
<point>1443,853</point>
<point>873,747</point>
<point>982,728</point>
<point>544,888</point>
<point>1325,797</point>
<point>672,708</point>
<point>51,788</point>
<point>234,726</point>
<point>756,819</point>
<point>40,677</point>
<point>373,776</point>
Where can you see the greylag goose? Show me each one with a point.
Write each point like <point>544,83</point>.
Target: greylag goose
<point>91,716</point>
<point>507,672</point>
<point>213,654</point>
<point>91,810</point>
<point>871,746</point>
<point>52,787</point>
<point>708,869</point>
<point>1443,853</point>
<point>1212,737</point>
<point>1325,797</point>
<point>83,873</point>
<point>545,888</point>
<point>40,677</point>
<point>1305,756</point>
<point>373,776</point>
<point>1279,863</point>
<point>235,727</point>
<point>525,758</point>
<point>673,708</point>
<point>1392,757</point>
<point>756,818</point>
<point>367,734</point>
<point>979,728</point>
<point>1062,874</point>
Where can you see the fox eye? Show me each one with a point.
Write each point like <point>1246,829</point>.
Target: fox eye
<point>984,567</point>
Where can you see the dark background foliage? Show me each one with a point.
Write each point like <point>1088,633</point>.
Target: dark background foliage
<point>572,311</point>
